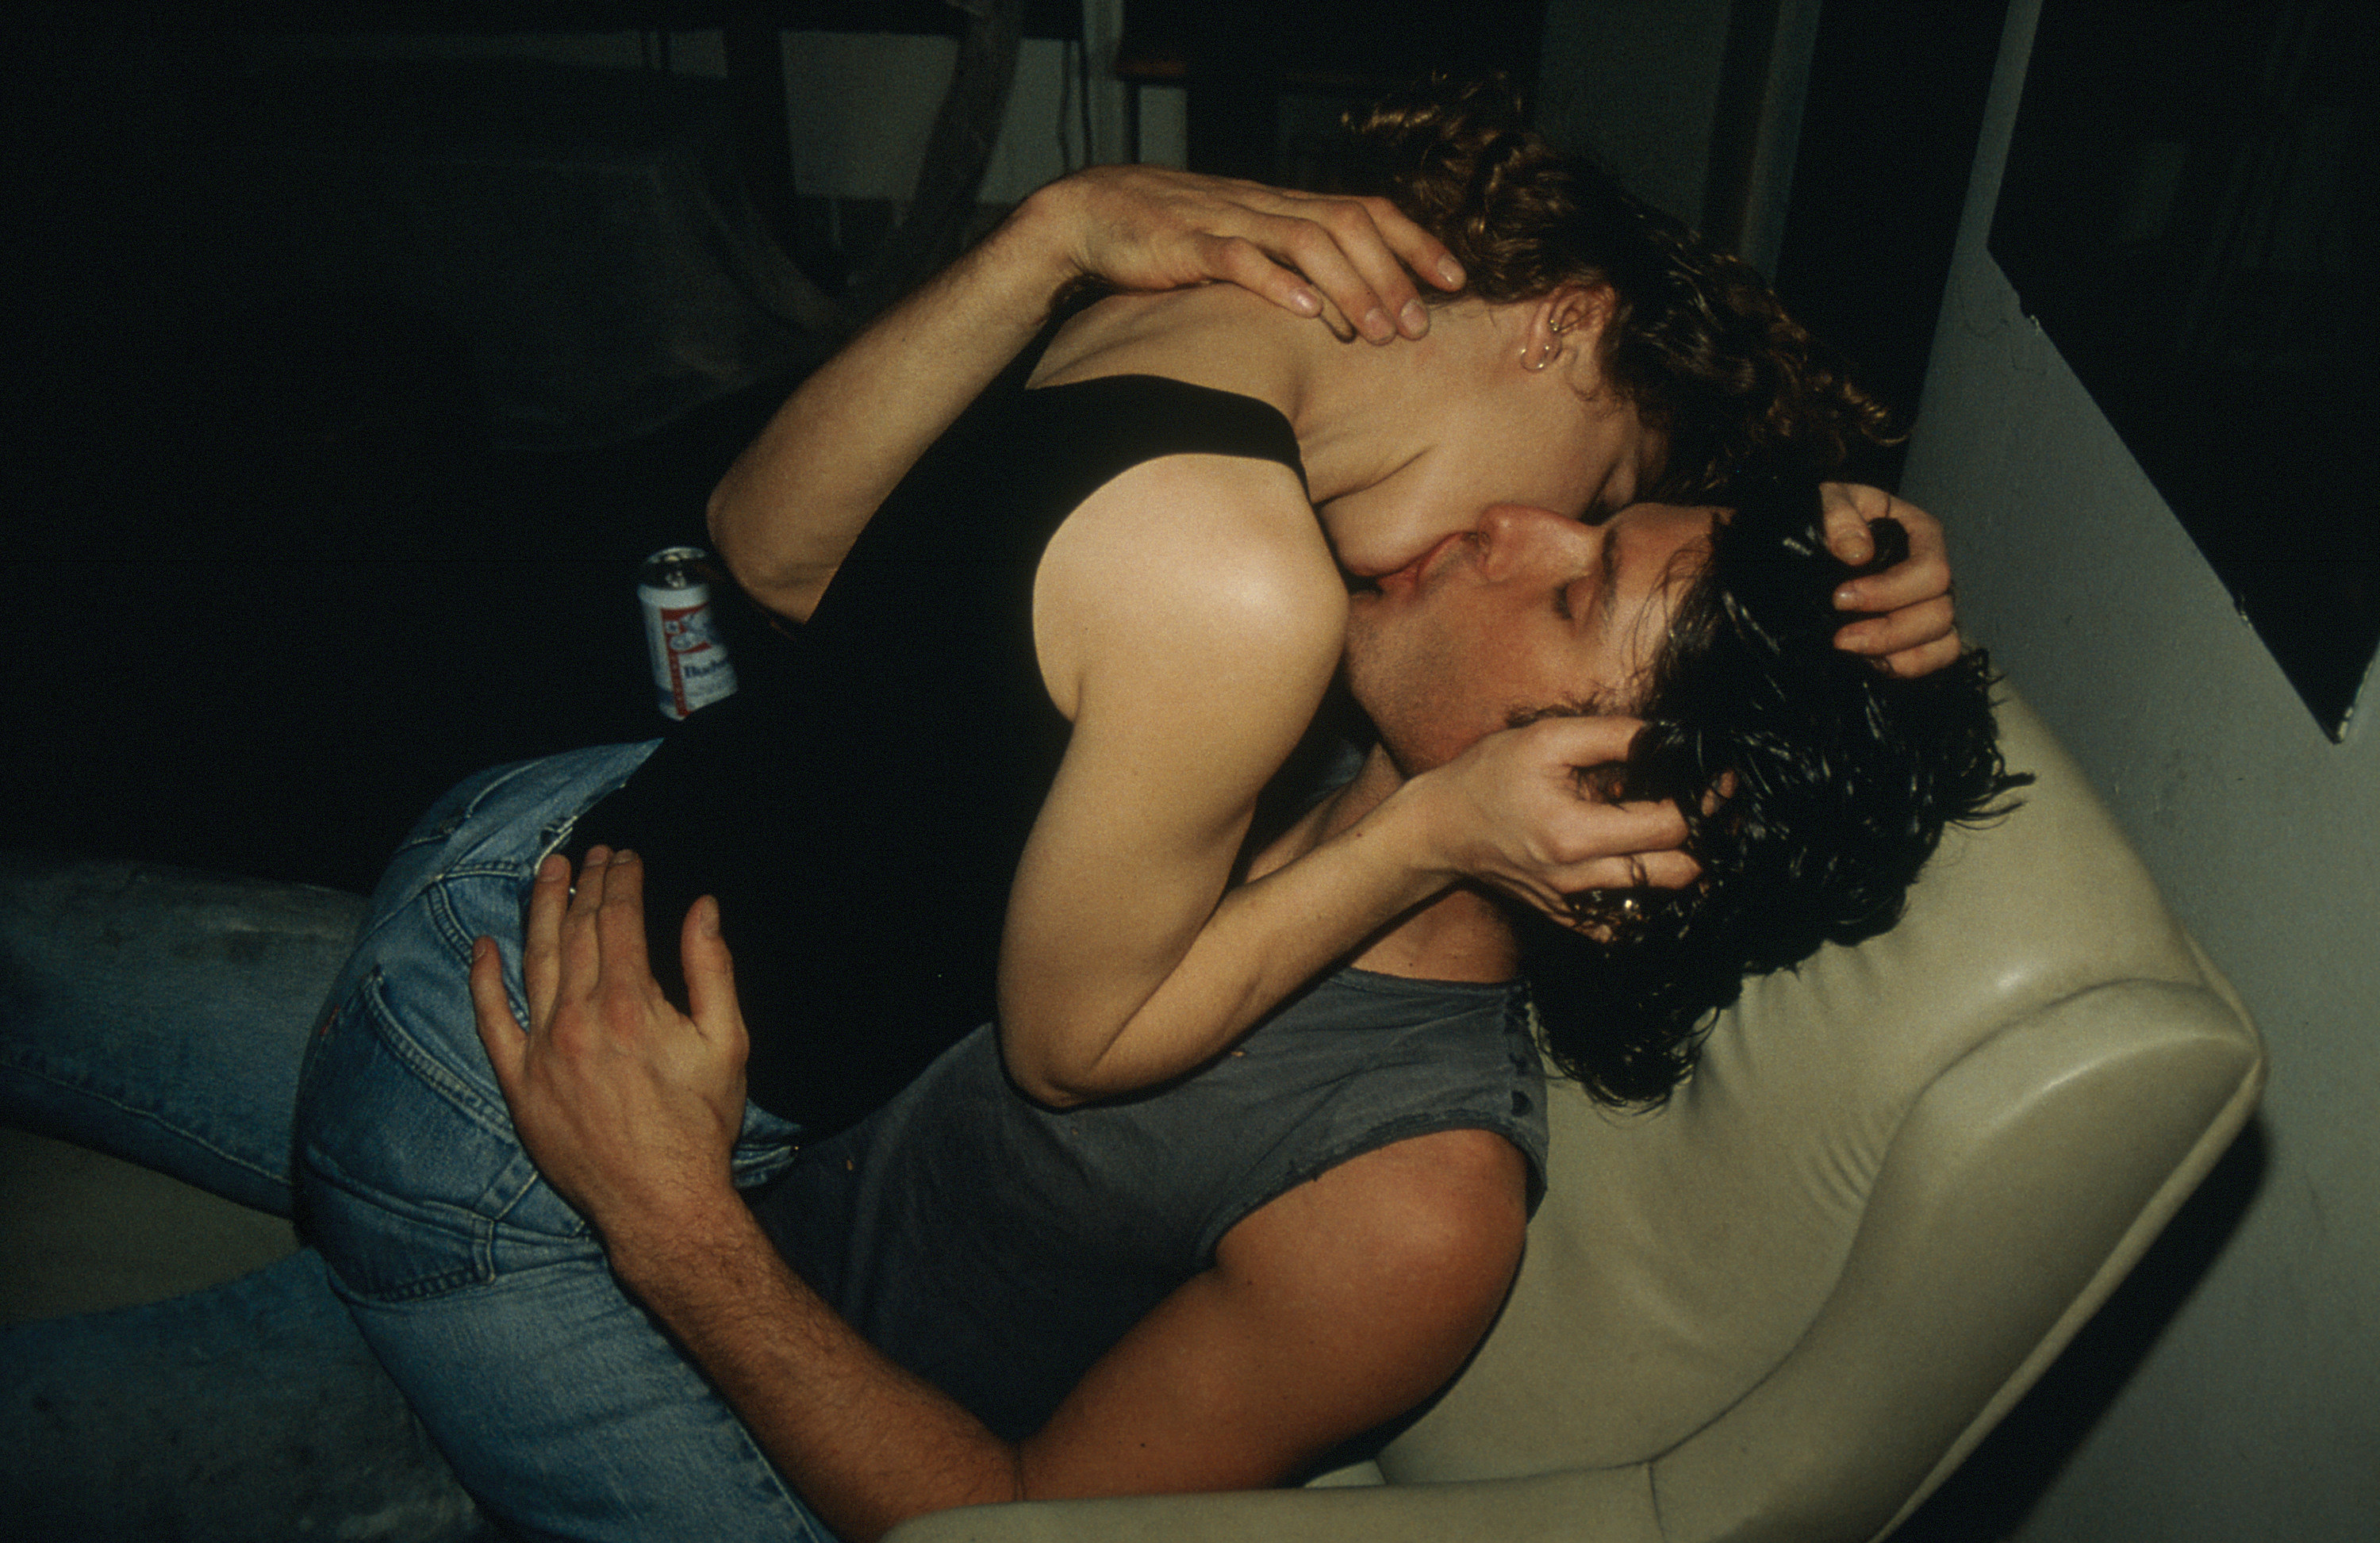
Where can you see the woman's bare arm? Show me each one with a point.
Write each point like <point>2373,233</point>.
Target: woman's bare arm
<point>1190,655</point>
<point>1336,1307</point>
<point>791,505</point>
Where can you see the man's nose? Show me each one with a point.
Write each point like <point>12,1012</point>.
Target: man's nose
<point>1515,536</point>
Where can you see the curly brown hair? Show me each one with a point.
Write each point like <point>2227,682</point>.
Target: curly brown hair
<point>1816,786</point>
<point>1698,343</point>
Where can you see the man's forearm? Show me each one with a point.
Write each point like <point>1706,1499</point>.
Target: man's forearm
<point>865,1443</point>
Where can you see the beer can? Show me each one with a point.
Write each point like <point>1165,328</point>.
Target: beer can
<point>690,664</point>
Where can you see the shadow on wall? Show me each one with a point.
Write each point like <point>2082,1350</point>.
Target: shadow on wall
<point>1993,1492</point>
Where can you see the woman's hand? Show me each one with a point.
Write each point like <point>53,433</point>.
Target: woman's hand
<point>1529,811</point>
<point>1348,260</point>
<point>1910,625</point>
<point>630,1108</point>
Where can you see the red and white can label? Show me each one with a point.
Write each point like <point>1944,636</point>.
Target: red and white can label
<point>688,658</point>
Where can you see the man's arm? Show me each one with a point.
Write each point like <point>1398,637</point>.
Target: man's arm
<point>791,505</point>
<point>1332,1311</point>
<point>1333,1308</point>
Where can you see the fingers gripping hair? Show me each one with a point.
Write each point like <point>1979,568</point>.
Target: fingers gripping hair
<point>1815,787</point>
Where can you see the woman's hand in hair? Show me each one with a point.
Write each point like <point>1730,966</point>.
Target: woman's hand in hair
<point>1350,260</point>
<point>1908,622</point>
<point>1532,811</point>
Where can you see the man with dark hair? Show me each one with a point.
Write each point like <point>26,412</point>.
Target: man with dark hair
<point>973,1297</point>
<point>1814,787</point>
<point>1302,1240</point>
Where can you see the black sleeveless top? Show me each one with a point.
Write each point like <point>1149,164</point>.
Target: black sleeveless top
<point>997,1248</point>
<point>860,807</point>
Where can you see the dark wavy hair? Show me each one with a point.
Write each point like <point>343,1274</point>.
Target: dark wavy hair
<point>1698,344</point>
<point>1816,786</point>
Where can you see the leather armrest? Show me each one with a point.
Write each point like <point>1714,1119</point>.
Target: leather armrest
<point>2022,1186</point>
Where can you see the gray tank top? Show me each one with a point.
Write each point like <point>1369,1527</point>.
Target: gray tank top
<point>998,1248</point>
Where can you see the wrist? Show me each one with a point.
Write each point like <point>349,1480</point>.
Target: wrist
<point>1039,243</point>
<point>655,1247</point>
<point>1406,831</point>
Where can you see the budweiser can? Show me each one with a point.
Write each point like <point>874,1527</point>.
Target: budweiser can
<point>690,664</point>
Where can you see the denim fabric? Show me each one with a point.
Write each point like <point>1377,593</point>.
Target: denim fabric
<point>560,1404</point>
<point>160,1015</point>
<point>248,1411</point>
<point>163,1016</point>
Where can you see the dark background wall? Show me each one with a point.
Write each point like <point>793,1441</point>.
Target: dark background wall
<point>276,577</point>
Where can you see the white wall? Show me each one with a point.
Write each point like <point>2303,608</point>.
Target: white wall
<point>2257,1415</point>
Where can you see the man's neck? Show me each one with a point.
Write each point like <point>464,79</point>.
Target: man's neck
<point>1461,935</point>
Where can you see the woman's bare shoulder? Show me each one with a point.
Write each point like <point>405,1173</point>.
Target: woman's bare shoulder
<point>1214,557</point>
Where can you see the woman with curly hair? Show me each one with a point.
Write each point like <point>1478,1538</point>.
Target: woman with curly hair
<point>997,759</point>
<point>1043,661</point>
<point>1146,483</point>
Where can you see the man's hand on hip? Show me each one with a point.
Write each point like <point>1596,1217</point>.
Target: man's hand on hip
<point>630,1108</point>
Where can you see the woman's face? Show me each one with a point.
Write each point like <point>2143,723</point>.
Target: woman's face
<point>1561,440</point>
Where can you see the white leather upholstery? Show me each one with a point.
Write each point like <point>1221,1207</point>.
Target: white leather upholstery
<point>1786,1305</point>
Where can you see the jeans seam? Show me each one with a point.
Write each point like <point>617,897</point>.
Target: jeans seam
<point>35,1068</point>
<point>438,1079</point>
<point>434,1074</point>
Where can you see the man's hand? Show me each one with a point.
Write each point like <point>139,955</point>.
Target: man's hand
<point>1348,260</point>
<point>1525,811</point>
<point>629,1107</point>
<point>1910,625</point>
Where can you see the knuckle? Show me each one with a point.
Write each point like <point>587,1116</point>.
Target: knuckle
<point>1347,216</point>
<point>1307,241</point>
<point>1236,255</point>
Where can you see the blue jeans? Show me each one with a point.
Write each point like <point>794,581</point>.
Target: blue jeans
<point>161,1016</point>
<point>561,1405</point>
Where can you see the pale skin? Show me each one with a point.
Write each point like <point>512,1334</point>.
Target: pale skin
<point>1190,653</point>
<point>1346,1301</point>
<point>1327,1311</point>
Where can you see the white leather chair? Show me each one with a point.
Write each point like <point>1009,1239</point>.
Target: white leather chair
<point>1785,1305</point>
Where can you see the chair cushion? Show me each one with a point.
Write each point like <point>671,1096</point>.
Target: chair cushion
<point>1686,1254</point>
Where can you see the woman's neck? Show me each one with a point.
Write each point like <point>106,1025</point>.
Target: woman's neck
<point>1362,413</point>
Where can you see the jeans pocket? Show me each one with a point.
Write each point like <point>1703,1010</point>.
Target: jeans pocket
<point>410,1183</point>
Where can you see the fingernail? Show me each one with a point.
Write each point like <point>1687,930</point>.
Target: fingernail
<point>1376,325</point>
<point>624,855</point>
<point>1305,302</point>
<point>1451,272</point>
<point>1415,318</point>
